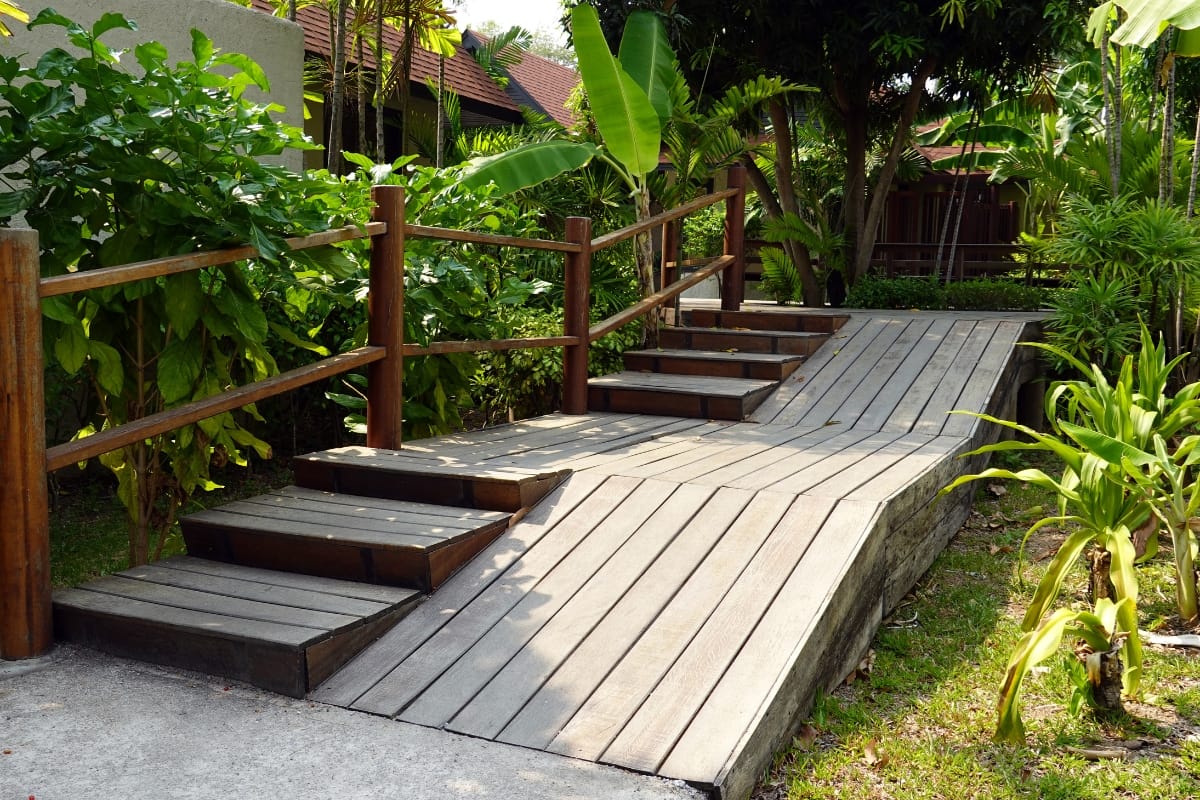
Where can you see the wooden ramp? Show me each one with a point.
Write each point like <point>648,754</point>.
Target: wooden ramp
<point>674,606</point>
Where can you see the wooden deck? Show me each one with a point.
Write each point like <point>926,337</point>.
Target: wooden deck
<point>676,603</point>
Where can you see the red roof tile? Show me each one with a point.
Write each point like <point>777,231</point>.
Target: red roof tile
<point>463,75</point>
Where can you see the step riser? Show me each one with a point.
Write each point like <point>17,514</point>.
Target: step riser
<point>673,404</point>
<point>745,342</point>
<point>766,321</point>
<point>638,362</point>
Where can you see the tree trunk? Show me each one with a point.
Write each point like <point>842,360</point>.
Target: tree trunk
<point>380,89</point>
<point>785,181</point>
<point>869,231</point>
<point>1191,203</point>
<point>441,111</point>
<point>1166,173</point>
<point>1100,585</point>
<point>361,88</point>
<point>1109,139</point>
<point>333,144</point>
<point>796,251</point>
<point>1104,674</point>
<point>643,253</point>
<point>291,12</point>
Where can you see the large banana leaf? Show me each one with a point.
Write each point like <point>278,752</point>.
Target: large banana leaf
<point>1147,19</point>
<point>528,165</point>
<point>624,115</point>
<point>649,60</point>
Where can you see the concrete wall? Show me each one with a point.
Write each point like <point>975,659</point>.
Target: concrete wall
<point>277,45</point>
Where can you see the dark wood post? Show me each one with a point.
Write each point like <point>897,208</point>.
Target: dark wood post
<point>733,290</point>
<point>26,628</point>
<point>385,308</point>
<point>577,285</point>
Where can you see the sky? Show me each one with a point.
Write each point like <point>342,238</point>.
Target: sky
<point>534,15</point>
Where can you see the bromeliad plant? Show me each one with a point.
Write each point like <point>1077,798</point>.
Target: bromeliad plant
<point>1119,476</point>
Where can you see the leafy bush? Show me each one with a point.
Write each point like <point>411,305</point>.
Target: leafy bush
<point>874,291</point>
<point>112,167</point>
<point>1096,320</point>
<point>993,294</point>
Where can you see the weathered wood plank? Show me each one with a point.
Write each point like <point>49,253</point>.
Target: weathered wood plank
<point>306,583</point>
<point>378,507</point>
<point>846,479</point>
<point>373,664</point>
<point>889,394</point>
<point>882,373</point>
<point>349,518</point>
<point>987,379</point>
<point>550,652</point>
<point>820,373</point>
<point>581,454</point>
<point>791,461</point>
<point>455,666</point>
<point>752,462</point>
<point>441,646</point>
<point>782,663</point>
<point>648,737</point>
<point>617,698</point>
<point>854,373</point>
<point>219,518</point>
<point>954,379</point>
<point>909,409</point>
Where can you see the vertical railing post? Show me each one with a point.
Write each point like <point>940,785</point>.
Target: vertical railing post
<point>26,628</point>
<point>733,288</point>
<point>670,266</point>
<point>577,280</point>
<point>385,309</point>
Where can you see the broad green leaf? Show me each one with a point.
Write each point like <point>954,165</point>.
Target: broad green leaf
<point>111,21</point>
<point>1147,19</point>
<point>1051,583</point>
<point>245,314</point>
<point>1106,447</point>
<point>179,366</point>
<point>71,348</point>
<point>202,48</point>
<point>184,301</point>
<point>248,66</point>
<point>288,335</point>
<point>649,60</point>
<point>1035,647</point>
<point>528,165</point>
<point>151,55</point>
<point>110,374</point>
<point>59,309</point>
<point>624,115</point>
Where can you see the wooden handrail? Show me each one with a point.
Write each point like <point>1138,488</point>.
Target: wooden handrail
<point>648,304</point>
<point>474,237</point>
<point>173,265</point>
<point>629,231</point>
<point>64,455</point>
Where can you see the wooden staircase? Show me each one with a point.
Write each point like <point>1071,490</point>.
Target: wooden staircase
<point>717,365</point>
<point>282,589</point>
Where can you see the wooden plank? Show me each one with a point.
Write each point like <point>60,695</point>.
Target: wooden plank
<point>852,379</point>
<point>307,583</point>
<point>559,695</point>
<point>556,614</point>
<point>893,391</point>
<point>380,507</point>
<point>508,561</point>
<point>218,605</point>
<point>624,689</point>
<point>648,737</point>
<point>581,453</point>
<point>794,459</point>
<point>838,476</point>
<point>255,523</point>
<point>736,452</point>
<point>253,590</point>
<point>361,518</point>
<point>783,441</point>
<point>945,396</point>
<point>700,384</point>
<point>448,669</point>
<point>265,654</point>
<point>898,477</point>
<point>986,382</point>
<point>882,374</point>
<point>810,383</point>
<point>393,647</point>
<point>699,431</point>
<point>786,659</point>
<point>909,409</point>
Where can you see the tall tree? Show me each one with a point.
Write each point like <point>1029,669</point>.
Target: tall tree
<point>879,65</point>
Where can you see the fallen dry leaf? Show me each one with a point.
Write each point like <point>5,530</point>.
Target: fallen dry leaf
<point>874,756</point>
<point>805,737</point>
<point>998,549</point>
<point>997,490</point>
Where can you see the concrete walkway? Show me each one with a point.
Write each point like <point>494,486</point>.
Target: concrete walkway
<point>80,725</point>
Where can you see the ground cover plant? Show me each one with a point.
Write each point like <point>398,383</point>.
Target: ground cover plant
<point>916,720</point>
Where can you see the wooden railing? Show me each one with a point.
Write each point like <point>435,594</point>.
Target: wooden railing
<point>25,600</point>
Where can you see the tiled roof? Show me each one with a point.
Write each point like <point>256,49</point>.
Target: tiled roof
<point>463,75</point>
<point>540,83</point>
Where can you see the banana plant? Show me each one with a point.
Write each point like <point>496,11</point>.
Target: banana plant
<point>630,99</point>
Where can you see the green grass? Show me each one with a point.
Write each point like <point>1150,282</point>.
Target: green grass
<point>88,531</point>
<point>919,724</point>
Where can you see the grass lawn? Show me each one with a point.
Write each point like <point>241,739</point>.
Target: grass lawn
<point>918,723</point>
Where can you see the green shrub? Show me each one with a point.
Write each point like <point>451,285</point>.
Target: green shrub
<point>993,294</point>
<point>874,291</point>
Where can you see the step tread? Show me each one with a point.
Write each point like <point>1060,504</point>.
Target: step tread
<point>718,355</point>
<point>746,332</point>
<point>399,462</point>
<point>691,384</point>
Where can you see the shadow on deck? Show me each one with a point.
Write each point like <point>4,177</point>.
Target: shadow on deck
<point>674,605</point>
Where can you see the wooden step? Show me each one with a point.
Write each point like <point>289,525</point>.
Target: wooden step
<point>730,340</point>
<point>715,363</point>
<point>695,396</point>
<point>375,540</point>
<point>399,475</point>
<point>766,320</point>
<point>281,632</point>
